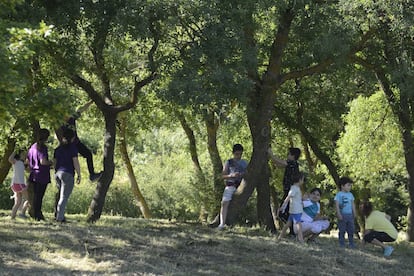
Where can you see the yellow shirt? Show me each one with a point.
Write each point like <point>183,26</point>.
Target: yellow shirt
<point>377,221</point>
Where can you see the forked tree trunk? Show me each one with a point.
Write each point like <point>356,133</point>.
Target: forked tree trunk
<point>98,200</point>
<point>142,204</point>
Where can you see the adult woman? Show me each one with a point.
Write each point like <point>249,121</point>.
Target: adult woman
<point>378,228</point>
<point>39,165</point>
<point>66,163</point>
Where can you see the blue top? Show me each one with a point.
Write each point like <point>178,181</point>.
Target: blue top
<point>64,155</point>
<point>345,200</point>
<point>236,166</point>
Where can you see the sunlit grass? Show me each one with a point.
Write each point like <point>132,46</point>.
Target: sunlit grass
<point>117,245</point>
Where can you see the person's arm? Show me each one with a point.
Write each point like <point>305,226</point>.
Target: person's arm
<point>11,158</point>
<point>285,203</point>
<point>45,162</point>
<point>276,160</point>
<point>338,211</point>
<point>226,175</point>
<point>77,169</point>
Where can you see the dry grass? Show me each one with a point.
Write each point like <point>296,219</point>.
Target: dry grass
<point>123,246</point>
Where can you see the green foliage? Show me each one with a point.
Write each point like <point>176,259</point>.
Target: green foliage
<point>368,146</point>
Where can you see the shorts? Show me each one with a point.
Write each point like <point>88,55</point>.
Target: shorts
<point>295,218</point>
<point>381,236</point>
<point>17,188</point>
<point>228,193</point>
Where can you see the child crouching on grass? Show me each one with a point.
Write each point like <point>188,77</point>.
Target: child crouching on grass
<point>294,199</point>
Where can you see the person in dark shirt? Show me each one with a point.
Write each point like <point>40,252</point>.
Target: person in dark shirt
<point>82,149</point>
<point>291,167</point>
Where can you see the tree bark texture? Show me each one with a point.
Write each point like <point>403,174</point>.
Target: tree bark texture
<point>98,200</point>
<point>142,204</point>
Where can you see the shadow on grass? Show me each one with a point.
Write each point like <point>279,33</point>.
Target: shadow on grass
<point>116,245</point>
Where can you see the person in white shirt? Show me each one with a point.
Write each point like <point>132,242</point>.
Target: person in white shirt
<point>18,184</point>
<point>294,199</point>
<point>312,222</point>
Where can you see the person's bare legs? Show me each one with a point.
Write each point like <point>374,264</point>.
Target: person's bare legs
<point>25,203</point>
<point>379,243</point>
<point>299,231</point>
<point>223,213</point>
<point>17,202</point>
<point>284,229</point>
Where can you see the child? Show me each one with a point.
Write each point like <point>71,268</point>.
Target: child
<point>66,164</point>
<point>345,211</point>
<point>312,222</point>
<point>18,184</point>
<point>291,167</point>
<point>294,199</point>
<point>378,228</point>
<point>233,172</point>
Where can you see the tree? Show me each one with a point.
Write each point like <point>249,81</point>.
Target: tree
<point>389,56</point>
<point>285,53</point>
<point>112,45</point>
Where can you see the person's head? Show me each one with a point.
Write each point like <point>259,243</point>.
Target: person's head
<point>293,153</point>
<point>366,208</point>
<point>298,178</point>
<point>345,183</point>
<point>237,151</point>
<point>17,155</point>
<point>67,136</point>
<point>43,135</point>
<point>315,194</point>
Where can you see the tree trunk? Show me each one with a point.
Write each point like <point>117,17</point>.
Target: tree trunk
<point>259,114</point>
<point>322,156</point>
<point>98,201</point>
<point>199,174</point>
<point>402,110</point>
<point>142,204</point>
<point>4,162</point>
<point>212,125</point>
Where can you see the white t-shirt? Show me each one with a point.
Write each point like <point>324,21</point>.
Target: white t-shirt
<point>18,173</point>
<point>295,202</point>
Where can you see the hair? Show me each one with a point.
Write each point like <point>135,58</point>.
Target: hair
<point>17,155</point>
<point>237,147</point>
<point>67,136</point>
<point>343,180</point>
<point>43,135</point>
<point>366,208</point>
<point>296,177</point>
<point>295,152</point>
<point>316,190</point>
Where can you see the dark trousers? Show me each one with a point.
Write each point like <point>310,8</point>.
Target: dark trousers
<point>86,153</point>
<point>39,190</point>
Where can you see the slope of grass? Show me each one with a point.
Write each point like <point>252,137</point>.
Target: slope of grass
<point>124,246</point>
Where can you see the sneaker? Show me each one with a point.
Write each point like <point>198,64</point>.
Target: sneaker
<point>95,177</point>
<point>388,251</point>
<point>221,227</point>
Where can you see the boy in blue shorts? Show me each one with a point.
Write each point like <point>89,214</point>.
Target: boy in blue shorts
<point>294,199</point>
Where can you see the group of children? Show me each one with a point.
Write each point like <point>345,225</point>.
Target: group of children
<point>65,163</point>
<point>302,213</point>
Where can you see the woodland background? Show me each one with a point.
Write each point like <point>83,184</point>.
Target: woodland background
<point>176,83</point>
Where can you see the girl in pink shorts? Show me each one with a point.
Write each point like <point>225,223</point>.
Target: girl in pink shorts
<point>18,184</point>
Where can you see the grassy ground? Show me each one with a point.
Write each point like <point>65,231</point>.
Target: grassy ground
<point>124,246</point>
